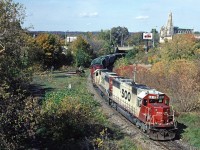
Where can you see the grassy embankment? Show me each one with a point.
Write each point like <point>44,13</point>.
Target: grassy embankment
<point>72,118</point>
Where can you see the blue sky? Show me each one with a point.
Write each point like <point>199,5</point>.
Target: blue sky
<point>94,15</point>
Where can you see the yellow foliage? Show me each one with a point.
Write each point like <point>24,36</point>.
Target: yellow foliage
<point>184,68</point>
<point>159,68</point>
<point>181,47</point>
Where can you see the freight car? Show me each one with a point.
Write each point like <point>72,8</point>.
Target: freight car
<point>105,61</point>
<point>145,107</point>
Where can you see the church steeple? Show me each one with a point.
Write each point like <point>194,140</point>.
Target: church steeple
<point>169,26</point>
<point>167,32</point>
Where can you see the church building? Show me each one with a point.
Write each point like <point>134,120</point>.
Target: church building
<point>167,32</point>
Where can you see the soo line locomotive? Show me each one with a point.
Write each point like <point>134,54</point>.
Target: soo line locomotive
<point>145,107</point>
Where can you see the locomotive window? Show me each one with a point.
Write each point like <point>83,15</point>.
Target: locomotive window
<point>116,84</point>
<point>134,90</point>
<point>155,101</point>
<point>145,102</point>
<point>139,101</point>
<point>166,102</point>
<point>106,79</point>
<point>97,74</point>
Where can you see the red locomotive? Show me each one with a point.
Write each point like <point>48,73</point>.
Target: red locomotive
<point>148,108</point>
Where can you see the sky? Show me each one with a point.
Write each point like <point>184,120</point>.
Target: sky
<point>96,15</point>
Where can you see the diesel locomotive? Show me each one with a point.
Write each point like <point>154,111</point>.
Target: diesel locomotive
<point>145,107</point>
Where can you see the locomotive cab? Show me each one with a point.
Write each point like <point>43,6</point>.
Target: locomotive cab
<point>158,116</point>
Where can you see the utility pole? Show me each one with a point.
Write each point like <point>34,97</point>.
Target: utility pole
<point>65,39</point>
<point>153,36</point>
<point>134,72</point>
<point>110,36</point>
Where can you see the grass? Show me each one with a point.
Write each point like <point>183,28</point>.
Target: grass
<point>191,133</point>
<point>55,80</point>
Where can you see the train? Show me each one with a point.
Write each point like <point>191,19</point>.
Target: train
<point>147,108</point>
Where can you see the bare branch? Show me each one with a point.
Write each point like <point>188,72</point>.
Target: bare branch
<point>2,50</point>
<point>1,34</point>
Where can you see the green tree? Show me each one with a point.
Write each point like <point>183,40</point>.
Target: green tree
<point>17,109</point>
<point>102,43</point>
<point>181,47</point>
<point>13,58</point>
<point>119,35</point>
<point>135,39</point>
<point>155,37</point>
<point>82,52</point>
<point>104,35</point>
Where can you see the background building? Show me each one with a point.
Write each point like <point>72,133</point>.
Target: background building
<point>167,32</point>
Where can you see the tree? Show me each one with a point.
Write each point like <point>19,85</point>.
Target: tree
<point>82,52</point>
<point>105,35</point>
<point>135,39</point>
<point>17,109</point>
<point>34,52</point>
<point>155,39</point>
<point>119,35</point>
<point>13,63</point>
<point>102,44</point>
<point>181,47</point>
<point>51,48</point>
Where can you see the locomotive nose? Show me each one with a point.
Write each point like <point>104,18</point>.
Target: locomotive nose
<point>160,115</point>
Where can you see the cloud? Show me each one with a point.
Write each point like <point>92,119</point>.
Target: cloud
<point>142,17</point>
<point>88,24</point>
<point>89,15</point>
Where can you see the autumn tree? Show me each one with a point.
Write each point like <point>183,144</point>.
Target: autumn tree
<point>34,52</point>
<point>175,71</point>
<point>51,49</point>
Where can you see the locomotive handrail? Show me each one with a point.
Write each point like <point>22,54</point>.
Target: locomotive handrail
<point>173,112</point>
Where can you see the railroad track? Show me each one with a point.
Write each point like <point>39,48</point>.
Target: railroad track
<point>131,130</point>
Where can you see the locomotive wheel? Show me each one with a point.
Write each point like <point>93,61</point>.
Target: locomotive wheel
<point>116,106</point>
<point>109,101</point>
<point>138,124</point>
<point>144,128</point>
<point>101,94</point>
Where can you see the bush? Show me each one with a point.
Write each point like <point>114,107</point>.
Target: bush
<point>68,114</point>
<point>179,79</point>
<point>19,122</point>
